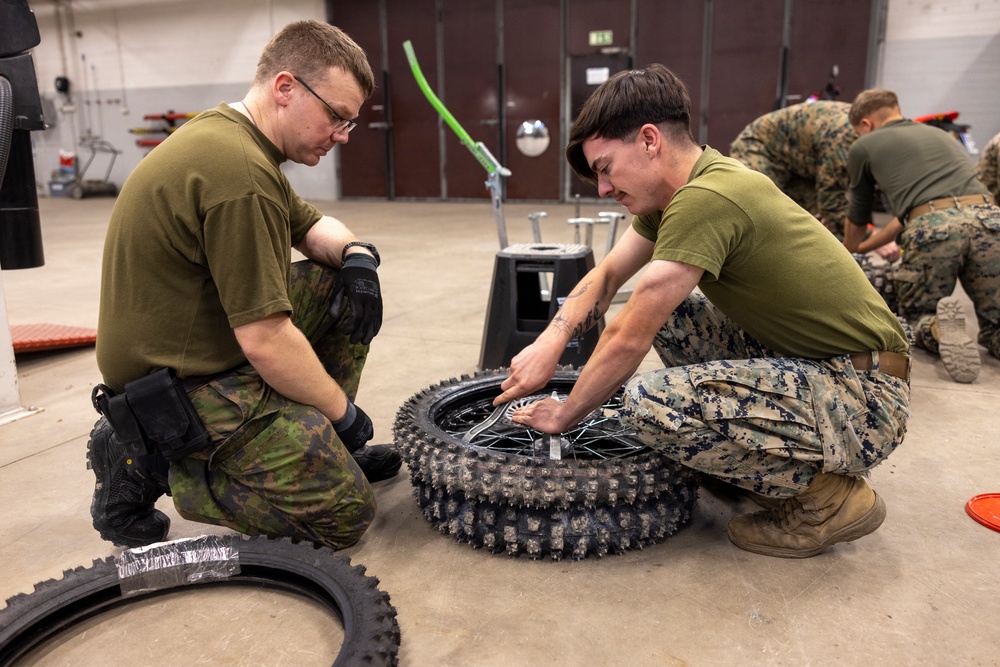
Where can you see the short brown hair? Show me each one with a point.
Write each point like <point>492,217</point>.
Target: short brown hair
<point>624,103</point>
<point>869,101</point>
<point>308,49</point>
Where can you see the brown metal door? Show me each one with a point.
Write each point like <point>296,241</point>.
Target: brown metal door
<point>597,42</point>
<point>397,149</point>
<point>586,73</point>
<point>470,92</point>
<point>826,33</point>
<point>532,75</point>
<point>676,44</point>
<point>415,146</point>
<point>745,58</point>
<point>365,158</point>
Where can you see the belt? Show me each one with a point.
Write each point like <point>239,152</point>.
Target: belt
<point>891,363</point>
<point>950,202</point>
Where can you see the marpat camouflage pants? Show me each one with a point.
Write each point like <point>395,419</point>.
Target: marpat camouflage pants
<point>276,466</point>
<point>727,406</point>
<point>940,248</point>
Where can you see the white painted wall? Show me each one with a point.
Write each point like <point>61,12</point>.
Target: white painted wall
<point>941,56</point>
<point>129,58</point>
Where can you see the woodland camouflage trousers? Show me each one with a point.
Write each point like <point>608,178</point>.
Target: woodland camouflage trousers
<point>728,407</point>
<point>276,467</point>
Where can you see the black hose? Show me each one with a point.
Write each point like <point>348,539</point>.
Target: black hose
<point>6,122</point>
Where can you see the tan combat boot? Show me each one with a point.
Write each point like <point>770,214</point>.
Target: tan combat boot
<point>835,508</point>
<point>959,354</point>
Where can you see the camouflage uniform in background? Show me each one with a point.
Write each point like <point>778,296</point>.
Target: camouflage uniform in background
<point>803,149</point>
<point>728,406</point>
<point>988,168</point>
<point>941,247</point>
<point>277,467</point>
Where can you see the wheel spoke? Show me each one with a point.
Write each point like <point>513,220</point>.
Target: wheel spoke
<point>600,435</point>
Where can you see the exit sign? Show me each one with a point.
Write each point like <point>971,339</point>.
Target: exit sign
<point>601,37</point>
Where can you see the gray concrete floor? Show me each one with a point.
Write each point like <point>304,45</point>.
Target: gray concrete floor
<point>922,590</point>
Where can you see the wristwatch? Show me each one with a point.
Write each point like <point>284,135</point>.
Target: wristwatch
<point>369,246</point>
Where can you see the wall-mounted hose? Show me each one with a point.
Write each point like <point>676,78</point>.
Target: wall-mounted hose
<point>6,122</point>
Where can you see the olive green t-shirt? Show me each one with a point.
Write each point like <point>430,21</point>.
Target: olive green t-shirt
<point>769,265</point>
<point>913,163</point>
<point>199,242</point>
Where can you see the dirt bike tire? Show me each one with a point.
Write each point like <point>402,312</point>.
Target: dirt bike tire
<point>509,502</point>
<point>575,532</point>
<point>371,632</point>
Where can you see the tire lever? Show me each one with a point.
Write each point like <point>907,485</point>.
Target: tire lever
<point>486,423</point>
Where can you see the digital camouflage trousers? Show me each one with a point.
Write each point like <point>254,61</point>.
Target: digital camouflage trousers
<point>276,467</point>
<point>727,406</point>
<point>944,247</point>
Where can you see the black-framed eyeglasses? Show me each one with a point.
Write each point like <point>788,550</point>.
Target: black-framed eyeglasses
<point>343,123</point>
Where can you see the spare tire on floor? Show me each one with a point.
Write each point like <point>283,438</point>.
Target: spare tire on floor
<point>371,633</point>
<point>591,491</point>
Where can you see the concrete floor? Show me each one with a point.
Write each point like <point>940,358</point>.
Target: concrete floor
<point>922,590</point>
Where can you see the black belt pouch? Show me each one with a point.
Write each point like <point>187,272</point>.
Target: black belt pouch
<point>116,410</point>
<point>166,414</point>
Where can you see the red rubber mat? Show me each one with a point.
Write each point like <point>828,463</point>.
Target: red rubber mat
<point>38,337</point>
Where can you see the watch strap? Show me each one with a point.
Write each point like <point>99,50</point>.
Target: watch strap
<point>371,248</point>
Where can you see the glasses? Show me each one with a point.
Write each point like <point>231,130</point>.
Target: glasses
<point>342,123</point>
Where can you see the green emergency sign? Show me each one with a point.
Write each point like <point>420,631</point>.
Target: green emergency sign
<point>601,37</point>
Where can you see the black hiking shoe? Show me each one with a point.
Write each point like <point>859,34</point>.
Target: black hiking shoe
<point>378,462</point>
<point>123,507</point>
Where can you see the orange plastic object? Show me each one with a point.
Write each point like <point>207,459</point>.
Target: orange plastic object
<point>985,508</point>
<point>37,337</point>
<point>949,115</point>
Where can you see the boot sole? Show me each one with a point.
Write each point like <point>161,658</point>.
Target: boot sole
<point>866,525</point>
<point>101,468</point>
<point>958,352</point>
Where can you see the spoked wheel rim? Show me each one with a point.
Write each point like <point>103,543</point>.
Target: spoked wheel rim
<point>605,464</point>
<point>600,436</point>
<point>504,489</point>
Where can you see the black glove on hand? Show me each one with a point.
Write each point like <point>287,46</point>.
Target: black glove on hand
<point>355,428</point>
<point>358,283</point>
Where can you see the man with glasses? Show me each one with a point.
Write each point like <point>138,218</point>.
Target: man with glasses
<point>339,123</point>
<point>266,354</point>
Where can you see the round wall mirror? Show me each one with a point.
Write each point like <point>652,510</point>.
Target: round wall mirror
<point>532,138</point>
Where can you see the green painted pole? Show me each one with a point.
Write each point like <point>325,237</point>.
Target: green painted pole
<point>489,165</point>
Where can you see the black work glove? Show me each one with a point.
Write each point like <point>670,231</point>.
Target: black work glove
<point>355,428</point>
<point>358,283</point>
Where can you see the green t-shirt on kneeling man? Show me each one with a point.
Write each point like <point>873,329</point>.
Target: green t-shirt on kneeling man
<point>769,265</point>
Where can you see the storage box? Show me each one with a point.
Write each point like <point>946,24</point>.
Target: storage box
<point>60,188</point>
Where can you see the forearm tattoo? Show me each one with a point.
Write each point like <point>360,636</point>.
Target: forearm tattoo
<point>590,320</point>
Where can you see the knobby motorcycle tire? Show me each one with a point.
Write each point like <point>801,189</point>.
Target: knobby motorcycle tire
<point>575,532</point>
<point>507,502</point>
<point>371,632</point>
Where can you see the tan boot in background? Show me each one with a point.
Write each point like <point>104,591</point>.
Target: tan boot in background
<point>835,508</point>
<point>958,352</point>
